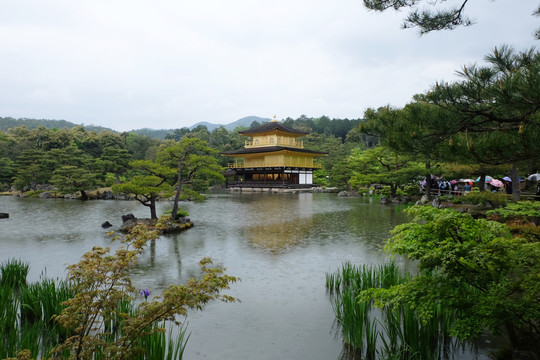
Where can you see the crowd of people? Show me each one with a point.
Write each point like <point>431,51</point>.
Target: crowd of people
<point>463,186</point>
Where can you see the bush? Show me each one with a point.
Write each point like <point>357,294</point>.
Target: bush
<point>411,190</point>
<point>482,198</point>
<point>181,213</point>
<point>524,211</point>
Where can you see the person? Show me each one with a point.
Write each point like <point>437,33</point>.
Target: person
<point>467,187</point>
<point>509,187</point>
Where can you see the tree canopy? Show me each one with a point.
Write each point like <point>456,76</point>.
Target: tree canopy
<point>429,19</point>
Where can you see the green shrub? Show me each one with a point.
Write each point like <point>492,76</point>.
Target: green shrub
<point>482,198</point>
<point>362,191</point>
<point>411,190</point>
<point>385,191</point>
<point>181,213</point>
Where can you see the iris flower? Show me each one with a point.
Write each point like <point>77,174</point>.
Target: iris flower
<point>146,293</point>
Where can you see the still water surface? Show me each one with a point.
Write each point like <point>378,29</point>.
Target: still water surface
<point>280,245</point>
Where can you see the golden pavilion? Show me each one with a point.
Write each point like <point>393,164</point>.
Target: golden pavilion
<point>272,158</point>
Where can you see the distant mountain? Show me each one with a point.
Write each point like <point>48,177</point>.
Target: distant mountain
<point>245,121</point>
<point>8,123</point>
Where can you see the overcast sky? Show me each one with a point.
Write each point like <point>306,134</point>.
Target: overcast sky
<point>171,63</point>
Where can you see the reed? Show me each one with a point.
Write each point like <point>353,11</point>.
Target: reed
<point>392,332</point>
<point>27,311</point>
<point>165,346</point>
<point>13,274</point>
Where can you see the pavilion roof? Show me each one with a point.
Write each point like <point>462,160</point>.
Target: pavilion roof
<point>266,149</point>
<point>271,126</point>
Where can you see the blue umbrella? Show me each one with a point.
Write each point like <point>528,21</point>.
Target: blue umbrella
<point>488,179</point>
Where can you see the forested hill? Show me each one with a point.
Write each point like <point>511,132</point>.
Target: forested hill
<point>7,122</point>
<point>323,125</point>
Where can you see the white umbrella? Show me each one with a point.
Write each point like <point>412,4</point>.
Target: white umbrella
<point>534,177</point>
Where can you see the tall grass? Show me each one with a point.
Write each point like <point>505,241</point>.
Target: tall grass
<point>13,274</point>
<point>27,314</point>
<point>27,310</point>
<point>390,333</point>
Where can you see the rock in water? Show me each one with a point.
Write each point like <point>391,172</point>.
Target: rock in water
<point>128,217</point>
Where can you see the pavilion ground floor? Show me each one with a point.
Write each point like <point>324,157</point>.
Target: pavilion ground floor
<point>270,177</point>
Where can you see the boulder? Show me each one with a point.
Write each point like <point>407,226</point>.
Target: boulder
<point>343,193</point>
<point>4,215</point>
<point>107,195</point>
<point>384,200</point>
<point>45,195</point>
<point>128,217</point>
<point>106,225</point>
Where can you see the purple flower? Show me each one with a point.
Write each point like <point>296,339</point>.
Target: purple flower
<point>145,293</point>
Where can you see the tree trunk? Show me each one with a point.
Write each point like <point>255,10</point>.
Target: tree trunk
<point>84,195</point>
<point>153,214</point>
<point>482,183</point>
<point>393,190</point>
<point>178,191</point>
<point>516,192</point>
<point>428,180</point>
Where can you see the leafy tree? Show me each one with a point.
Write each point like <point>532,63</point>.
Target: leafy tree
<point>219,138</point>
<point>177,134</point>
<point>95,317</point>
<point>382,166</point>
<point>194,161</point>
<point>200,132</point>
<point>490,277</point>
<point>496,109</point>
<point>340,175</point>
<point>428,20</point>
<point>74,170</point>
<point>414,130</point>
<point>31,170</point>
<point>7,171</point>
<point>141,147</point>
<point>115,160</point>
<point>150,185</point>
<point>5,146</point>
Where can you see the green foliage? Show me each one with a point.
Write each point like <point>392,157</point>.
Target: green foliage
<point>7,170</point>
<point>394,331</point>
<point>102,286</point>
<point>520,209</point>
<point>382,166</point>
<point>181,213</point>
<point>195,165</point>
<point>27,311</point>
<point>426,19</point>
<point>411,190</point>
<point>151,184</point>
<point>13,274</point>
<point>482,198</point>
<point>490,278</point>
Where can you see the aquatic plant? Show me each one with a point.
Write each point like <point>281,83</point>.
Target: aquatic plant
<point>395,331</point>
<point>27,311</point>
<point>13,274</point>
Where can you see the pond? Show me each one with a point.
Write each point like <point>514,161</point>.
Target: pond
<point>280,245</point>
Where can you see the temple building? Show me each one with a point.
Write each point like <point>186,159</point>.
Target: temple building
<point>272,158</point>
